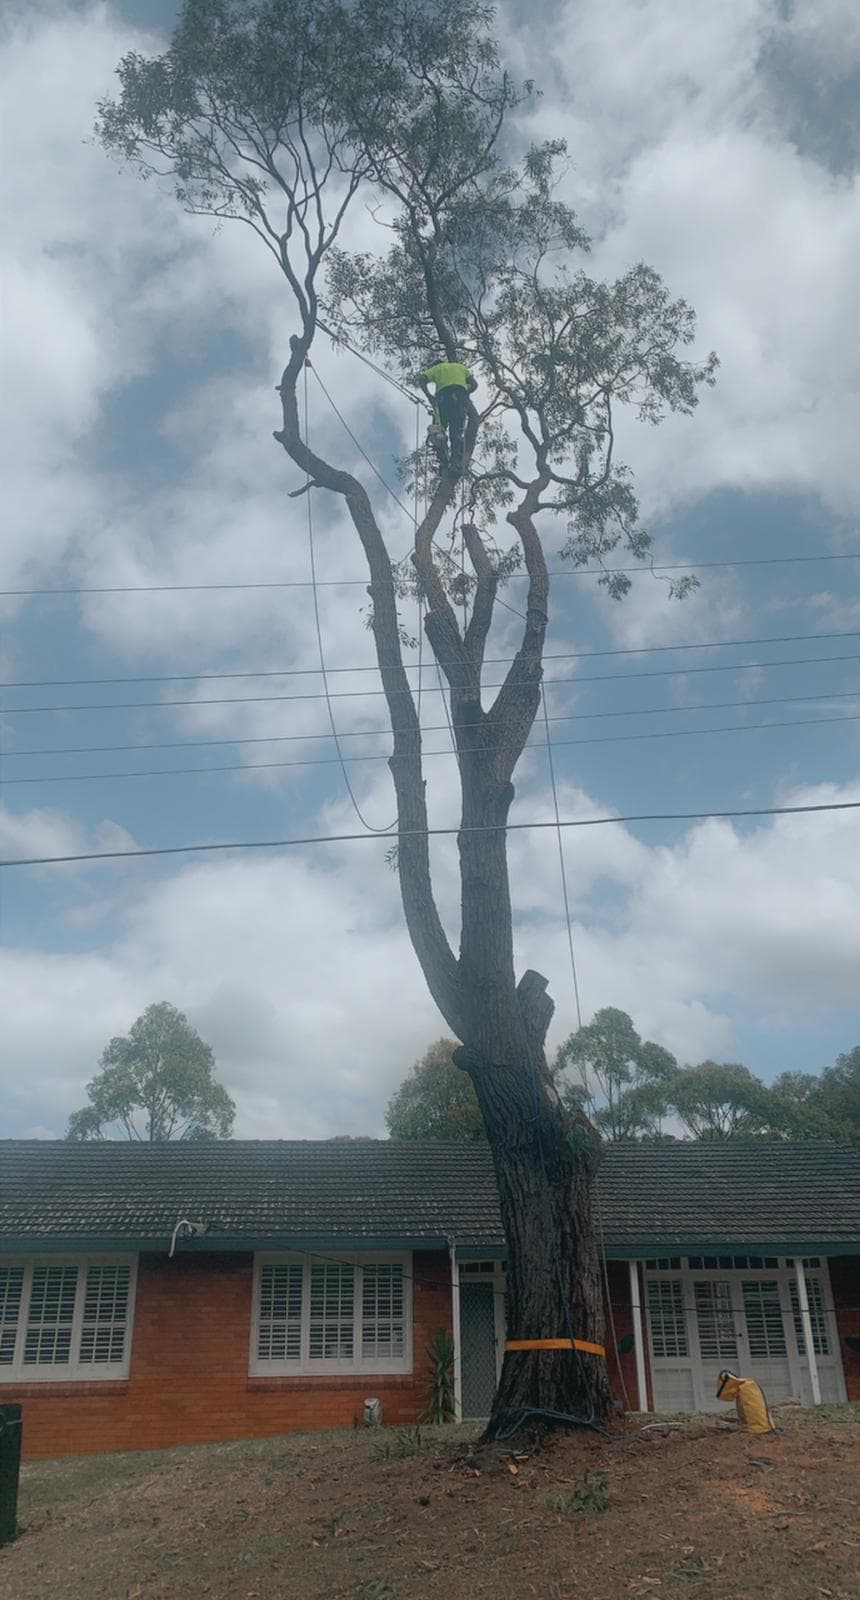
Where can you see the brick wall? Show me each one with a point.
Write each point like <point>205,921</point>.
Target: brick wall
<point>188,1382</point>
<point>845,1283</point>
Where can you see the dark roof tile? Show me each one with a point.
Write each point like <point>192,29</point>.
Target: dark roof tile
<point>653,1198</point>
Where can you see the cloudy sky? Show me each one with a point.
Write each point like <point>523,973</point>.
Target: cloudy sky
<point>721,144</point>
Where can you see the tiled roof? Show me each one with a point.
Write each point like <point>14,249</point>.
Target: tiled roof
<point>654,1198</point>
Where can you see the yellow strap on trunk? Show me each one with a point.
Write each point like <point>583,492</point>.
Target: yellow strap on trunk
<point>555,1344</point>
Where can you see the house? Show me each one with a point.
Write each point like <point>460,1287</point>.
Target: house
<point>154,1295</point>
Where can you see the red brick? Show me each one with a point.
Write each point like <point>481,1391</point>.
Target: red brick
<point>189,1383</point>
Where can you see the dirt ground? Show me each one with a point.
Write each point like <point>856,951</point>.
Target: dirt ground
<point>697,1513</point>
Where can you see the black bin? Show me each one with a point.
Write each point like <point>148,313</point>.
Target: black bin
<point>10,1463</point>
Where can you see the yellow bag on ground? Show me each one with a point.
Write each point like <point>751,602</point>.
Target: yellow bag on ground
<point>749,1401</point>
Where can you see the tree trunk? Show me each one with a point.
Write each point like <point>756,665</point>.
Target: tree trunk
<point>544,1157</point>
<point>544,1165</point>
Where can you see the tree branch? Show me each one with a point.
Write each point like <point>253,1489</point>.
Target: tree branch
<point>517,702</point>
<point>422,917</point>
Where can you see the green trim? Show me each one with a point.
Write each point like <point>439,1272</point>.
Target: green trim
<point>87,1244</point>
<point>159,1244</point>
<point>480,1252</point>
<point>789,1247</point>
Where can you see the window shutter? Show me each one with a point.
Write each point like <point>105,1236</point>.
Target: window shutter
<point>48,1337</point>
<point>105,1316</point>
<point>666,1316</point>
<point>279,1336</point>
<point>715,1320</point>
<point>763,1309</point>
<point>11,1291</point>
<point>383,1331</point>
<point>332,1312</point>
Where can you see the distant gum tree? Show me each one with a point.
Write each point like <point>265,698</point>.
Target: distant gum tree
<point>436,1100</point>
<point>285,115</point>
<point>157,1082</point>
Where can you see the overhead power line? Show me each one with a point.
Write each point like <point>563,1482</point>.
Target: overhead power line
<point>341,760</point>
<point>490,661</point>
<point>433,727</point>
<point>351,583</point>
<point>369,694</point>
<point>350,838</point>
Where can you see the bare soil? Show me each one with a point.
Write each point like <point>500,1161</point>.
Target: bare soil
<point>700,1512</point>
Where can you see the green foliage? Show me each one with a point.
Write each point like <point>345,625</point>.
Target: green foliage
<point>723,1100</point>
<point>436,1100</point>
<point>281,113</point>
<point>633,1085</point>
<point>632,1075</point>
<point>440,1405</point>
<point>827,1106</point>
<point>400,1444</point>
<point>160,1073</point>
<point>591,1495</point>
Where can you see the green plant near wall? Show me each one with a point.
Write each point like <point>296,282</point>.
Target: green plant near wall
<point>440,1388</point>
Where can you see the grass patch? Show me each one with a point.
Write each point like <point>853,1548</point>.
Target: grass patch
<point>592,1495</point>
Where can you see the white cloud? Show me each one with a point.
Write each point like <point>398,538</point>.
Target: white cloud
<point>48,832</point>
<point>298,968</point>
<point>298,971</point>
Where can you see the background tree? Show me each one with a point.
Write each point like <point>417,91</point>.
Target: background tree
<point>157,1082</point>
<point>608,1058</point>
<point>824,1106</point>
<point>723,1100</point>
<point>280,114</point>
<point>436,1100</point>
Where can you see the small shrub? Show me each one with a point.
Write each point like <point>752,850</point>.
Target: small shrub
<point>398,1445</point>
<point>440,1390</point>
<point>592,1495</point>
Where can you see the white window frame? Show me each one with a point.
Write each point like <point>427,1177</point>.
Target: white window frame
<point>74,1370</point>
<point>389,1366</point>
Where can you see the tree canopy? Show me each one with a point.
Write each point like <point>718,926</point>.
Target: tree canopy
<point>157,1082</point>
<point>436,1100</point>
<point>622,1078</point>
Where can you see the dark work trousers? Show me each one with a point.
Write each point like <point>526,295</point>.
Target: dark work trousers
<point>451,410</point>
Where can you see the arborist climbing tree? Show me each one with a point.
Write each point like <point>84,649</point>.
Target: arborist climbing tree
<point>453,384</point>
<point>287,115</point>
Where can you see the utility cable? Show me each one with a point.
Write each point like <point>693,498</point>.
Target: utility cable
<point>345,583</point>
<point>439,727</point>
<point>489,661</point>
<point>318,627</point>
<point>369,694</point>
<point>340,760</point>
<point>352,838</point>
<point>359,447</point>
<point>561,862</point>
<point>340,340</point>
<point>576,995</point>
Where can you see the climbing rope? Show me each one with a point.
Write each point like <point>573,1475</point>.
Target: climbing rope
<point>318,626</point>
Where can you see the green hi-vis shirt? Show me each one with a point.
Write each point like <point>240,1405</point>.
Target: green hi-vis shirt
<point>448,374</point>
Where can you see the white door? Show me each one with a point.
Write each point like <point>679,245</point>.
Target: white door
<point>746,1316</point>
